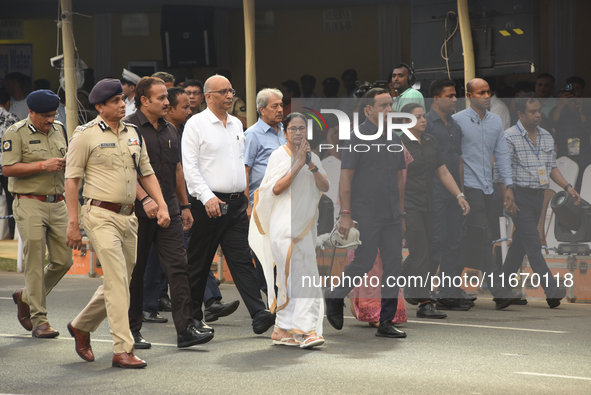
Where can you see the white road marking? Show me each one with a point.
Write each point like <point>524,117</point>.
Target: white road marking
<point>481,326</point>
<point>554,375</point>
<point>5,298</point>
<point>488,327</point>
<point>72,339</point>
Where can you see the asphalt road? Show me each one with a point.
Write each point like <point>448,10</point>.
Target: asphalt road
<point>523,349</point>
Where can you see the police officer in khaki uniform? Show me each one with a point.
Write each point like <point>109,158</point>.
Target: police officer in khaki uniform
<point>111,156</point>
<point>33,158</point>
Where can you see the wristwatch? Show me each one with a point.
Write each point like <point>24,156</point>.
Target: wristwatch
<point>566,187</point>
<point>511,186</point>
<point>461,195</point>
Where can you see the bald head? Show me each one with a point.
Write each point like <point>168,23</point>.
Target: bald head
<point>478,91</point>
<point>213,81</point>
<point>476,82</point>
<point>218,94</point>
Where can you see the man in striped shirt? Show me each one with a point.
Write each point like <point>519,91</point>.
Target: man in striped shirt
<point>533,162</point>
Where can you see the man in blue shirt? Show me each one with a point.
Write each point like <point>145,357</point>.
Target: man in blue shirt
<point>448,216</point>
<point>262,139</point>
<point>484,138</point>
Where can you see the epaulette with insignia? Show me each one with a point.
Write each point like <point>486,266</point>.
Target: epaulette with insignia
<point>17,126</point>
<point>128,124</point>
<point>85,126</point>
<point>58,122</point>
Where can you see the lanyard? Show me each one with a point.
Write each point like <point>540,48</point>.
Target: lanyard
<point>528,143</point>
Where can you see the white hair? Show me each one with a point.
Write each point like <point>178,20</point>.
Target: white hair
<point>264,95</point>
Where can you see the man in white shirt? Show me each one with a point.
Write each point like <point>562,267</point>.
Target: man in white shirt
<point>129,81</point>
<point>213,161</point>
<point>497,106</point>
<point>17,85</point>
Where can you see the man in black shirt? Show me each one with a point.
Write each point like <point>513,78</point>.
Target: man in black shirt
<point>448,216</point>
<point>372,193</point>
<point>162,143</point>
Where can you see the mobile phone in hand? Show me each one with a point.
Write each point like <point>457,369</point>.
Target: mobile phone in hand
<point>224,208</point>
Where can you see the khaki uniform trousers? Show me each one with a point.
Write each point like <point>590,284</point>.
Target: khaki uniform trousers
<point>42,225</point>
<point>114,238</point>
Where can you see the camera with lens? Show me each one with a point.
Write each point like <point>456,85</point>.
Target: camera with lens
<point>572,226</point>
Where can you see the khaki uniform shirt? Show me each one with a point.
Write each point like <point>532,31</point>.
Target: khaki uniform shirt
<point>105,159</point>
<point>238,108</point>
<point>23,143</point>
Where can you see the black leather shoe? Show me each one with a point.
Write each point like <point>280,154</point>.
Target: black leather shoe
<point>521,302</point>
<point>154,317</point>
<point>192,336</point>
<point>203,327</point>
<point>409,297</point>
<point>465,295</point>
<point>428,310</point>
<point>507,300</point>
<point>164,304</point>
<point>454,304</point>
<point>218,309</point>
<point>139,341</point>
<point>334,310</point>
<point>388,329</point>
<point>263,321</point>
<point>555,297</point>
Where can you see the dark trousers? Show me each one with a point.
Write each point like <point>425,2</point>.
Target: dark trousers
<point>9,200</point>
<point>385,234</point>
<point>212,290</point>
<point>260,274</point>
<point>231,232</point>
<point>419,236</point>
<point>155,282</point>
<point>173,259</point>
<point>526,240</point>
<point>480,206</point>
<point>448,220</point>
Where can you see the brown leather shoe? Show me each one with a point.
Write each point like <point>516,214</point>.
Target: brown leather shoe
<point>24,312</point>
<point>45,331</point>
<point>82,340</point>
<point>129,361</point>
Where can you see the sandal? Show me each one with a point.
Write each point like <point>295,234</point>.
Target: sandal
<point>311,340</point>
<point>282,337</point>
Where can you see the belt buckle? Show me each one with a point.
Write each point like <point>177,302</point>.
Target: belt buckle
<point>51,198</point>
<point>126,209</point>
<point>234,196</point>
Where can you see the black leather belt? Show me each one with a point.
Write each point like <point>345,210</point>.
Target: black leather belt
<point>531,191</point>
<point>229,196</point>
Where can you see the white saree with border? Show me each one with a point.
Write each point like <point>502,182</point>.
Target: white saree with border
<point>282,233</point>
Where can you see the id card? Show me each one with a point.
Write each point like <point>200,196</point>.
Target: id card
<point>543,175</point>
<point>574,146</point>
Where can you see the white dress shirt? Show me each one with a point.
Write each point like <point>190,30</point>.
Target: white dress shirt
<point>498,107</point>
<point>129,106</point>
<point>213,155</point>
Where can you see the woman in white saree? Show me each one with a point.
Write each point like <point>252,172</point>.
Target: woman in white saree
<point>283,233</point>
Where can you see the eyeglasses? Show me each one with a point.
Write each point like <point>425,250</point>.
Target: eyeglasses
<point>295,129</point>
<point>224,92</point>
<point>47,117</point>
<point>195,93</point>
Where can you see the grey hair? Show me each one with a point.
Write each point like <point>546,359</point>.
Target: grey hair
<point>264,95</point>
